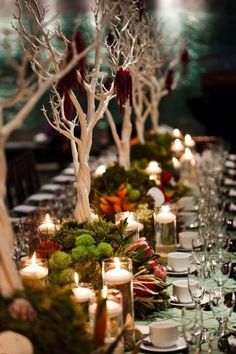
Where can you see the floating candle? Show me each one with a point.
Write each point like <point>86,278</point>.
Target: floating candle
<point>34,270</point>
<point>177,146</point>
<point>177,133</point>
<point>153,168</point>
<point>113,308</point>
<point>165,216</point>
<point>81,293</point>
<point>176,163</point>
<point>100,170</point>
<point>188,141</point>
<point>117,275</point>
<point>47,227</point>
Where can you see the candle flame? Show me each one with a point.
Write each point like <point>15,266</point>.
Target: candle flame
<point>176,133</point>
<point>176,162</point>
<point>117,263</point>
<point>48,220</point>
<point>104,292</point>
<point>33,259</point>
<point>165,209</point>
<point>188,140</point>
<point>177,145</point>
<point>76,278</point>
<point>188,154</point>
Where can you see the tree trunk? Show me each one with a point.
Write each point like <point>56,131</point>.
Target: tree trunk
<point>155,117</point>
<point>9,278</point>
<point>124,155</point>
<point>83,185</point>
<point>5,224</point>
<point>140,129</point>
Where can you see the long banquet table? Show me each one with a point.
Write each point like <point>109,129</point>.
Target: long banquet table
<point>173,312</point>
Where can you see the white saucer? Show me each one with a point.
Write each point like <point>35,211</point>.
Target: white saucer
<point>172,272</point>
<point>181,344</point>
<point>204,301</point>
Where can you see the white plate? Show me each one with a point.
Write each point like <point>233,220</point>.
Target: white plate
<point>40,196</point>
<point>64,178</point>
<point>50,187</point>
<point>24,208</point>
<point>172,272</point>
<point>181,344</point>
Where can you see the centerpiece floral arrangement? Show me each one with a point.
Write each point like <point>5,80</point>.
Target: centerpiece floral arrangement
<point>82,247</point>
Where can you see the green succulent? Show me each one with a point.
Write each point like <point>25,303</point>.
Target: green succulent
<point>104,250</point>
<point>83,253</point>
<point>59,261</point>
<point>66,276</point>
<point>85,240</point>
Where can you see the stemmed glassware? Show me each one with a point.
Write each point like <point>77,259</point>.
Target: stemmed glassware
<point>220,266</point>
<point>222,304</point>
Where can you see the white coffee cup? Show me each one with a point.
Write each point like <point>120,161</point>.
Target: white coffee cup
<point>181,291</point>
<point>187,203</point>
<point>186,238</point>
<point>163,334</point>
<point>178,261</point>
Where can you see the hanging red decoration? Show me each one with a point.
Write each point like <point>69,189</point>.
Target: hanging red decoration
<point>184,59</point>
<point>141,8</point>
<point>169,80</point>
<point>123,87</point>
<point>69,81</point>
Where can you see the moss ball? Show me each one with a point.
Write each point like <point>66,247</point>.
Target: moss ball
<point>59,261</point>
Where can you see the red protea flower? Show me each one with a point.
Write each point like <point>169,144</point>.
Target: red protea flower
<point>47,248</point>
<point>160,272</point>
<point>169,80</point>
<point>123,87</point>
<point>69,81</point>
<point>165,177</point>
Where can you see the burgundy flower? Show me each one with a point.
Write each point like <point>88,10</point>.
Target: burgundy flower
<point>160,272</point>
<point>165,177</point>
<point>140,250</point>
<point>123,87</point>
<point>145,287</point>
<point>47,248</point>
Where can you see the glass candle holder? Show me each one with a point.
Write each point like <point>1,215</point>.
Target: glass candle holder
<point>133,225</point>
<point>117,273</point>
<point>33,270</point>
<point>188,167</point>
<point>48,227</point>
<point>165,231</point>
<point>114,318</point>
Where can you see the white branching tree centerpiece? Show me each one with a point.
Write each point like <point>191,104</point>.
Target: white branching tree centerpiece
<point>123,47</point>
<point>69,116</point>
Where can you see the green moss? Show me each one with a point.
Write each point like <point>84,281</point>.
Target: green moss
<point>59,261</point>
<point>104,250</point>
<point>83,253</point>
<point>59,327</point>
<point>85,240</point>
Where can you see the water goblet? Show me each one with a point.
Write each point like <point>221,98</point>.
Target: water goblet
<point>220,266</point>
<point>222,303</point>
<point>192,330</point>
<point>196,282</point>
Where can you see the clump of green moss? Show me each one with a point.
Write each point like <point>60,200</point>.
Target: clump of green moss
<point>59,261</point>
<point>58,316</point>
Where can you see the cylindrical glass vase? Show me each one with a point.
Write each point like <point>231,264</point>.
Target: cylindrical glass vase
<point>114,318</point>
<point>118,273</point>
<point>165,231</point>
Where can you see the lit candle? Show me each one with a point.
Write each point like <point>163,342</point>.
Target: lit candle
<point>188,141</point>
<point>113,308</point>
<point>47,227</point>
<point>81,293</point>
<point>153,168</point>
<point>132,224</point>
<point>176,163</point>
<point>187,155</point>
<point>117,275</point>
<point>34,270</point>
<point>177,146</point>
<point>165,216</point>
<point>100,170</point>
<point>177,133</point>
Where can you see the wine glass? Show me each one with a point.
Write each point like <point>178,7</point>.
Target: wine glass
<point>222,304</point>
<point>220,266</point>
<point>192,330</point>
<point>196,282</point>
